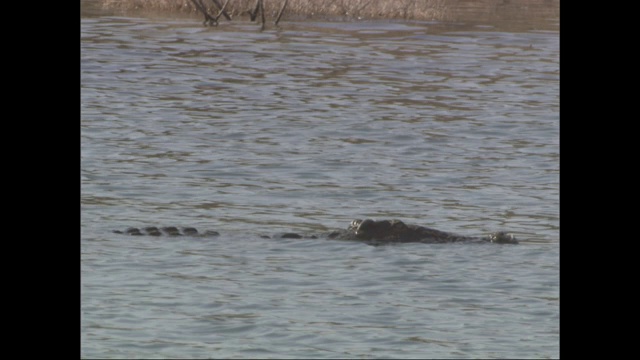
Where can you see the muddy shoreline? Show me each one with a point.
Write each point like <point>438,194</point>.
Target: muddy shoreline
<point>297,10</point>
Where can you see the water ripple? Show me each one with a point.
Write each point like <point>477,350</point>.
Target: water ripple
<point>253,133</point>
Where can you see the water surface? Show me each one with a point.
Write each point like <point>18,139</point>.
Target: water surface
<point>303,128</point>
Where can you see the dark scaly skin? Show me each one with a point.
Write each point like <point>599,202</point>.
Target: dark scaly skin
<point>367,231</point>
<point>395,231</point>
<point>169,231</point>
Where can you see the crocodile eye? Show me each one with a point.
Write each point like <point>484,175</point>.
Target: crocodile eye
<point>354,225</point>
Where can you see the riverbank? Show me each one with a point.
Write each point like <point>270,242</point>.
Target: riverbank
<point>429,10</point>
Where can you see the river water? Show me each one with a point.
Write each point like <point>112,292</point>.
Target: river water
<point>304,128</point>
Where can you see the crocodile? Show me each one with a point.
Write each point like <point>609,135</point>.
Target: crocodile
<point>369,231</point>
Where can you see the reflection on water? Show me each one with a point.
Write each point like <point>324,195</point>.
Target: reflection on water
<point>304,128</point>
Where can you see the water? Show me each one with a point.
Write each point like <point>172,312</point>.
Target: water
<point>304,128</point>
